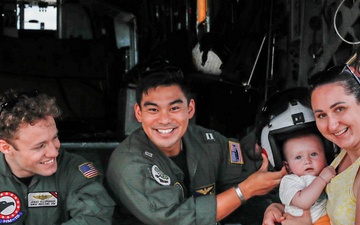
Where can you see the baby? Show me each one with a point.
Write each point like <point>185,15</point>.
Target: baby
<point>303,187</point>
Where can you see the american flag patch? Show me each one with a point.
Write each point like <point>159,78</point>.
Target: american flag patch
<point>88,170</point>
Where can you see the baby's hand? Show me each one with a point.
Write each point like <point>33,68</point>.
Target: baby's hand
<point>327,173</point>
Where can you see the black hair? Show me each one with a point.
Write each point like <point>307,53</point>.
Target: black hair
<point>152,79</point>
<point>339,74</point>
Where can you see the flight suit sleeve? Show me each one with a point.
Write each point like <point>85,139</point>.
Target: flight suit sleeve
<point>89,205</point>
<point>156,202</point>
<point>87,201</point>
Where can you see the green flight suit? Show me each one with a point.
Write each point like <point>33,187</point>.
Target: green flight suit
<point>71,196</point>
<point>148,184</point>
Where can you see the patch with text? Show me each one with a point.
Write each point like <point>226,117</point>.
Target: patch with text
<point>160,176</point>
<point>10,206</point>
<point>43,199</point>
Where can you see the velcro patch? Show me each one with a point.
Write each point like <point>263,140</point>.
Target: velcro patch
<point>88,170</point>
<point>43,199</point>
<point>236,156</point>
<point>10,207</point>
<point>160,177</point>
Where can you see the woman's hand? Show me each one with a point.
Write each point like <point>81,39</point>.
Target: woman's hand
<point>273,214</point>
<point>305,219</point>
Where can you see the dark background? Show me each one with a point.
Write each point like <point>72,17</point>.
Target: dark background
<point>261,47</point>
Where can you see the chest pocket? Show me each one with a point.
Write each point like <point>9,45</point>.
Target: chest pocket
<point>44,202</point>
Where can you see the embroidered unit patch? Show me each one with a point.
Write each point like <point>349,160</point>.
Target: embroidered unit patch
<point>88,170</point>
<point>160,176</point>
<point>10,207</point>
<point>236,156</point>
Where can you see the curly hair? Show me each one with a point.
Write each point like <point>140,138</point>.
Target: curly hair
<point>24,107</point>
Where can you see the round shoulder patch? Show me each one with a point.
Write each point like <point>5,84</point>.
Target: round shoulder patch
<point>159,176</point>
<point>9,207</point>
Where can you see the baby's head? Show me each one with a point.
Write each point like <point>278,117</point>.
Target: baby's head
<point>304,154</point>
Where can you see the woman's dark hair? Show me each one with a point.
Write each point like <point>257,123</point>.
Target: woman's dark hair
<point>338,74</point>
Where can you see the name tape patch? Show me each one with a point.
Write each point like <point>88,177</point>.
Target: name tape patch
<point>43,199</point>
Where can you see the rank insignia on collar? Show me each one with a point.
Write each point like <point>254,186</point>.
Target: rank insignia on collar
<point>236,156</point>
<point>148,154</point>
<point>159,176</point>
<point>10,207</point>
<point>209,137</point>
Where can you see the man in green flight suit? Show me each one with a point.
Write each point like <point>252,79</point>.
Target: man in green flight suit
<point>41,184</point>
<point>171,171</point>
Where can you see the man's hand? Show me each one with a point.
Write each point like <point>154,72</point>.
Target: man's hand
<point>262,181</point>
